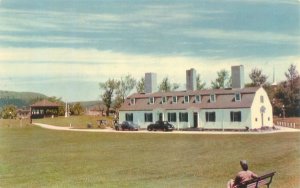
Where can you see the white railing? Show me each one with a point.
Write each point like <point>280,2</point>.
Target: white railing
<point>286,124</point>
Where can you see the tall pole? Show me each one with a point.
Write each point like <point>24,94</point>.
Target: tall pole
<point>66,110</point>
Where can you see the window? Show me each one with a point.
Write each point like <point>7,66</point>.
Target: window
<point>164,99</point>
<point>197,98</point>
<point>151,100</point>
<point>236,116</point>
<point>183,117</point>
<point>210,116</point>
<point>174,99</point>
<point>186,99</point>
<point>132,101</point>
<point>237,97</point>
<point>261,99</point>
<point>148,117</point>
<point>213,98</point>
<point>172,117</point>
<point>129,116</point>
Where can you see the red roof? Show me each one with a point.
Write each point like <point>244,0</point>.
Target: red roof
<point>225,98</point>
<point>45,103</point>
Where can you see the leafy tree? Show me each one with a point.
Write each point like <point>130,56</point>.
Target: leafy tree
<point>257,77</point>
<point>9,112</point>
<point>291,97</point>
<point>140,86</point>
<point>76,109</point>
<point>287,93</point>
<point>125,87</point>
<point>200,84</point>
<point>292,75</point>
<point>223,80</point>
<point>107,97</point>
<point>166,85</point>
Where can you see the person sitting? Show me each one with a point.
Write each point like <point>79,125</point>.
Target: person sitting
<point>242,176</point>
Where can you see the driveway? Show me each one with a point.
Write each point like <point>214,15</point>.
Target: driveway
<point>279,130</point>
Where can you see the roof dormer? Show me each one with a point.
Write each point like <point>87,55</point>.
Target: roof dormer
<point>237,97</point>
<point>212,98</point>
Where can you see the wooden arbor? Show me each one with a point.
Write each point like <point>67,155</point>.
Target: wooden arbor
<point>43,109</point>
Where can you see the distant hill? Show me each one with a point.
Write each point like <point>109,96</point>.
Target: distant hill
<point>19,99</point>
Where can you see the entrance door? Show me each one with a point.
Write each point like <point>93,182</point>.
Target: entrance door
<point>160,116</point>
<point>195,119</point>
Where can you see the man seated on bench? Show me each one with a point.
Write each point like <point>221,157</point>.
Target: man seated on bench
<point>242,176</point>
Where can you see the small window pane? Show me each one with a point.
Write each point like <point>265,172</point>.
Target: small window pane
<point>172,117</point>
<point>183,117</point>
<point>148,117</point>
<point>129,116</point>
<point>198,99</point>
<point>236,116</point>
<point>237,97</point>
<point>212,98</point>
<point>175,99</point>
<point>210,116</point>
<point>186,99</point>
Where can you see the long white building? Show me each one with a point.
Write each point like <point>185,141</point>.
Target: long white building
<point>235,108</point>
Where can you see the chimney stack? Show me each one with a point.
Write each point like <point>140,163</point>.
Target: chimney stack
<point>237,75</point>
<point>150,82</point>
<point>191,79</point>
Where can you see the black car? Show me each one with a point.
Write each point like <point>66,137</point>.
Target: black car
<point>161,125</point>
<point>127,125</point>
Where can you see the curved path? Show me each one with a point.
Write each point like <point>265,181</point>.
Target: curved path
<point>52,127</point>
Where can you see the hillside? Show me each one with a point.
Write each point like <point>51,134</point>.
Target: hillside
<point>19,99</point>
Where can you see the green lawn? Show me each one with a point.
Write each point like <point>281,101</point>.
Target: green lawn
<point>35,157</point>
<point>75,121</point>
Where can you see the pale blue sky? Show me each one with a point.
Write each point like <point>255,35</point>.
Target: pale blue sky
<point>65,48</point>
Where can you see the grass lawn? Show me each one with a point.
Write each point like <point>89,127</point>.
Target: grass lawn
<point>75,121</point>
<point>35,157</point>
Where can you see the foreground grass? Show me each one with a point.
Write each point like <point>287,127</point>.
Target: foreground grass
<point>35,157</point>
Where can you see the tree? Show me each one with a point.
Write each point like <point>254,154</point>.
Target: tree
<point>291,98</point>
<point>222,81</point>
<point>9,112</point>
<point>76,109</point>
<point>125,86</point>
<point>200,84</point>
<point>140,86</point>
<point>109,87</point>
<point>166,85</point>
<point>292,75</point>
<point>257,77</point>
<point>287,93</point>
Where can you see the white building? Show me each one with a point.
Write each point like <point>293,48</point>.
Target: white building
<point>235,108</point>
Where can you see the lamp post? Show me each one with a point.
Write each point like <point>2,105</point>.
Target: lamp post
<point>283,112</point>
<point>273,107</point>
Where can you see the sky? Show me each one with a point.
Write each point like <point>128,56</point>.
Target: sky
<point>65,48</point>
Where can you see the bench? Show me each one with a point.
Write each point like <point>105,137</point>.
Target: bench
<point>258,182</point>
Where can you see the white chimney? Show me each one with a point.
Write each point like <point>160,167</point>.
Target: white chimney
<point>237,75</point>
<point>150,82</point>
<point>191,79</point>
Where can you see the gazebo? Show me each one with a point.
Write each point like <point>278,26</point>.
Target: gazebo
<point>43,108</point>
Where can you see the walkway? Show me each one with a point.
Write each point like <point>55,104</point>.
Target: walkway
<point>279,130</point>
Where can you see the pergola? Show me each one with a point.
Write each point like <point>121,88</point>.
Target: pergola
<point>43,108</point>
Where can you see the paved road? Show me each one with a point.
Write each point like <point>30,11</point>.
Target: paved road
<point>52,127</point>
